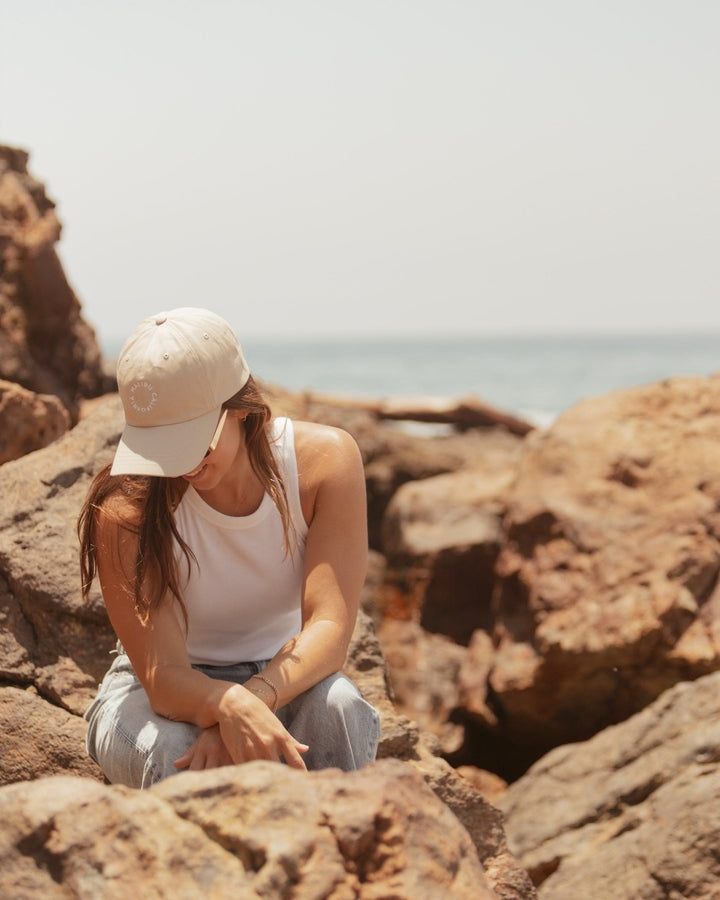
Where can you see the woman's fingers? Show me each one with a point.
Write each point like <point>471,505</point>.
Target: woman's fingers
<point>206,752</point>
<point>292,755</point>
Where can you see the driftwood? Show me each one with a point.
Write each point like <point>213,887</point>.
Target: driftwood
<point>463,414</point>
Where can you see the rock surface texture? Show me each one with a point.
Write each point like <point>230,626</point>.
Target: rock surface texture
<point>607,585</point>
<point>28,421</point>
<point>56,649</point>
<point>45,344</point>
<point>377,833</point>
<point>541,608</point>
<point>633,812</point>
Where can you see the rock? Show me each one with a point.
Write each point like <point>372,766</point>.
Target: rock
<point>59,646</point>
<point>392,456</point>
<point>38,739</point>
<point>632,812</point>
<point>442,537</point>
<point>490,785</point>
<point>72,837</point>
<point>45,345</point>
<point>403,740</point>
<point>378,832</point>
<point>468,412</point>
<point>28,421</point>
<point>54,640</point>
<point>234,832</point>
<point>608,578</point>
<point>423,673</point>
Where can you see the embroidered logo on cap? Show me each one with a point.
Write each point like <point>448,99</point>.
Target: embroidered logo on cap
<point>142,396</point>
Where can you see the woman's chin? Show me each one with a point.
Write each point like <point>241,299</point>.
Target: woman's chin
<point>196,474</point>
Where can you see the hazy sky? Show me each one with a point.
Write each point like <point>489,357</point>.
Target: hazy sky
<point>313,167</point>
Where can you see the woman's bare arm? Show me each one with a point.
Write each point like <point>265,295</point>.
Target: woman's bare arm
<point>157,651</point>
<point>332,484</point>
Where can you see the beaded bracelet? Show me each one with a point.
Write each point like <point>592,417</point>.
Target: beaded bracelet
<point>272,687</point>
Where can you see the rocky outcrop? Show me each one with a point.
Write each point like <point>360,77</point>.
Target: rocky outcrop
<point>56,648</point>
<point>38,738</point>
<point>28,421</point>
<point>528,588</point>
<point>469,412</point>
<point>51,640</point>
<point>633,812</point>
<point>576,573</point>
<point>442,537</point>
<point>607,584</point>
<point>45,344</point>
<point>375,833</point>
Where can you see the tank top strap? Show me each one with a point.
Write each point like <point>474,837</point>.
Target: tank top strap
<point>283,446</point>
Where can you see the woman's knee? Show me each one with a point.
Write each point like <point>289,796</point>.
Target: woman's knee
<point>341,728</point>
<point>131,743</point>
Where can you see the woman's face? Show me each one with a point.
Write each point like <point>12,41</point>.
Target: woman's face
<point>221,454</point>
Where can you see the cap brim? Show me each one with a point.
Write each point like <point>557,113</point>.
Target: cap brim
<point>165,450</point>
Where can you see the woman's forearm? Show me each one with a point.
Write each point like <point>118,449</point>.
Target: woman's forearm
<point>183,694</point>
<point>317,651</point>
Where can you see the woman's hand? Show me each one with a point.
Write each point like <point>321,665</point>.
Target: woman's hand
<point>249,730</point>
<point>207,752</point>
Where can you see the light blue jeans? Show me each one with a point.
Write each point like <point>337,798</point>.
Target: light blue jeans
<point>135,746</point>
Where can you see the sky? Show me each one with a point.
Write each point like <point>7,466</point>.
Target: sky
<point>311,168</point>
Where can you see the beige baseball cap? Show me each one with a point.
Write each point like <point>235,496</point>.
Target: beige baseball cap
<point>174,373</point>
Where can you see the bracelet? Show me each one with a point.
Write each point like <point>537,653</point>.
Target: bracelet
<point>272,687</point>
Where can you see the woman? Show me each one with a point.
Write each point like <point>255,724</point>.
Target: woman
<point>231,550</point>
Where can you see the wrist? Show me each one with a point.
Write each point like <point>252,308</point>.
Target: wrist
<point>264,689</point>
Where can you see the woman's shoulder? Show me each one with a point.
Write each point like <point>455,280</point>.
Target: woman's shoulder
<point>324,450</point>
<point>117,508</point>
<point>314,437</point>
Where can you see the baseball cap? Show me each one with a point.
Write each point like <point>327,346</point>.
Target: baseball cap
<point>174,373</point>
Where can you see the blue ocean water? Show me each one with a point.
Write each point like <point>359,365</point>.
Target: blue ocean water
<point>533,377</point>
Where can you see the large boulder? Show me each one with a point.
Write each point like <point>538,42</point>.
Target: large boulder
<point>634,811</point>
<point>38,738</point>
<point>28,421</point>
<point>56,643</point>
<point>607,582</point>
<point>234,832</point>
<point>45,344</point>
<point>442,537</point>
<point>402,739</point>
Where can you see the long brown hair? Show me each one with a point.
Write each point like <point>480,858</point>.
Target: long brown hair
<point>154,500</point>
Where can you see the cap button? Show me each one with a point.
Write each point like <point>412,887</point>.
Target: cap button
<point>160,319</point>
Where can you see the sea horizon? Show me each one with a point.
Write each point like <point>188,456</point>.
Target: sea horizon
<point>533,376</point>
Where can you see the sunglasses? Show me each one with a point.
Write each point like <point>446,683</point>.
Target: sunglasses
<point>218,431</point>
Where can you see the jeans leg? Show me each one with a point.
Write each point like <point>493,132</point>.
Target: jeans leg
<point>340,727</point>
<point>135,746</point>
<point>131,743</point>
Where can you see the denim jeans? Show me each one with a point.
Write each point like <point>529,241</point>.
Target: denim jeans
<point>135,746</point>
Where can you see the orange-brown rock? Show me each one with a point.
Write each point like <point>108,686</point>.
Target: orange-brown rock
<point>442,537</point>
<point>235,832</point>
<point>54,641</point>
<point>608,577</point>
<point>28,421</point>
<point>38,738</point>
<point>394,456</point>
<point>59,647</point>
<point>45,344</point>
<point>632,812</point>
<point>465,413</point>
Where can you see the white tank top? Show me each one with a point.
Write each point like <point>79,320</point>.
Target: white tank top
<point>243,597</point>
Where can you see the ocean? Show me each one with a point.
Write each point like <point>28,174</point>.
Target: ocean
<point>535,378</point>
